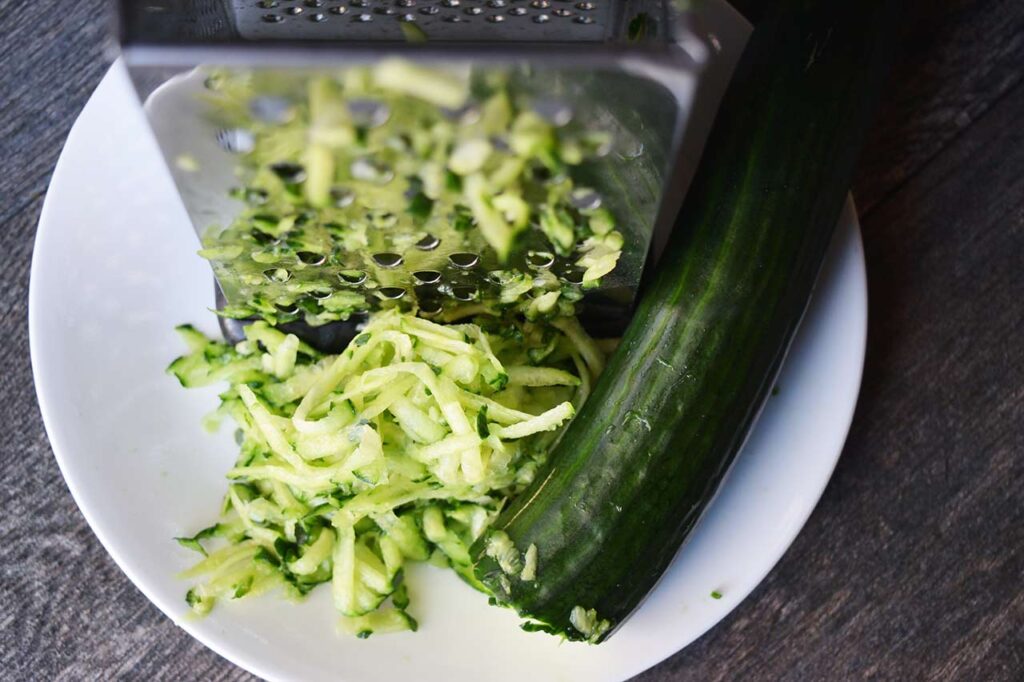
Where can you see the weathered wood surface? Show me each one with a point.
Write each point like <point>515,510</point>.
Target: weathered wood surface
<point>912,567</point>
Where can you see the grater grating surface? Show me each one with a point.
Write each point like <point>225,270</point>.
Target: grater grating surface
<point>627,69</point>
<point>479,21</point>
<point>455,20</point>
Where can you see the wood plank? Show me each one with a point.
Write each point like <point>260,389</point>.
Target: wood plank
<point>957,59</point>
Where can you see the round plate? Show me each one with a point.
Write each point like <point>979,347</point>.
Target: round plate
<point>115,269</point>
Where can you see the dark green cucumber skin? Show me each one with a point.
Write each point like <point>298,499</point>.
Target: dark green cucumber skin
<point>634,471</point>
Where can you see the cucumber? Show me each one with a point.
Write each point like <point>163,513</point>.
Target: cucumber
<point>634,471</point>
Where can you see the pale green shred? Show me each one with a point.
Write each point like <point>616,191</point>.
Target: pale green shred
<point>402,447</point>
<point>501,549</point>
<point>588,624</point>
<point>529,573</point>
<point>381,621</point>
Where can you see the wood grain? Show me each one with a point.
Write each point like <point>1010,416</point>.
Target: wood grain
<point>958,58</point>
<point>912,565</point>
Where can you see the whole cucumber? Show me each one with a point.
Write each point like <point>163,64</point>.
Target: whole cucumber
<point>634,471</point>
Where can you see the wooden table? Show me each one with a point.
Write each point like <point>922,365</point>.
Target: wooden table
<point>912,566</point>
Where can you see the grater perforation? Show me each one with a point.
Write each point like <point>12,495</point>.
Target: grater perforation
<point>376,21</point>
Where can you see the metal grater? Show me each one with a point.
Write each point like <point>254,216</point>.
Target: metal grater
<point>613,83</point>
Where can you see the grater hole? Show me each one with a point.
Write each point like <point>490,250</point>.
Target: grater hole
<point>236,140</point>
<point>352,277</point>
<point>464,292</point>
<point>430,307</point>
<point>311,258</point>
<point>427,276</point>
<point>391,293</point>
<point>540,260</point>
<point>428,243</point>
<point>289,172</point>
<point>388,260</point>
<point>342,196</point>
<point>322,294</point>
<point>464,260</point>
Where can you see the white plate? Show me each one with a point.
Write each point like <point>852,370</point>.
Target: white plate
<point>115,269</point>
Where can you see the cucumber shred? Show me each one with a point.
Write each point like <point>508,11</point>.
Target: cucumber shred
<point>403,447</point>
<point>371,160</point>
<point>634,473</point>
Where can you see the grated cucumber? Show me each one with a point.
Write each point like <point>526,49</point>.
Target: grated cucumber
<point>376,159</point>
<point>352,465</point>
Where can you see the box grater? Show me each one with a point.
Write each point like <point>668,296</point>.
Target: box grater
<point>337,157</point>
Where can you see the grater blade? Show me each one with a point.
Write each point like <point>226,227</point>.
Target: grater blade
<point>623,74</point>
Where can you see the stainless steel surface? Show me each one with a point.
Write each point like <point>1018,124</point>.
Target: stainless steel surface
<point>545,21</point>
<point>629,68</point>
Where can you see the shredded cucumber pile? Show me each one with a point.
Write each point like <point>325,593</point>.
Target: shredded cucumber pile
<point>410,162</point>
<point>401,448</point>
